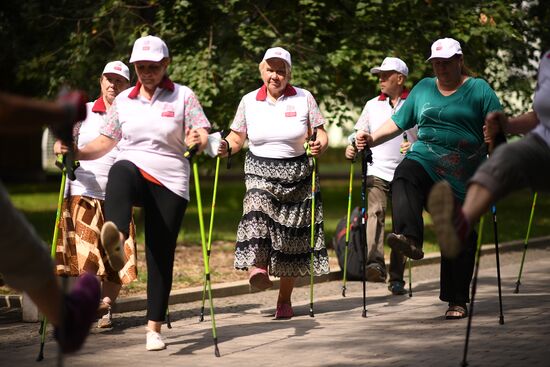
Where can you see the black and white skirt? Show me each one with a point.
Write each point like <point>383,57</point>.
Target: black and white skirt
<point>275,229</point>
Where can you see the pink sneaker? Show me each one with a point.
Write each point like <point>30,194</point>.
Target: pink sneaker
<point>284,311</point>
<point>259,279</point>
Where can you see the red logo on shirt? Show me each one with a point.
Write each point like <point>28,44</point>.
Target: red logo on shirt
<point>290,111</point>
<point>168,111</point>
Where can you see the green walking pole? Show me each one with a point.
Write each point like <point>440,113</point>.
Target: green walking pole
<point>189,155</point>
<point>211,226</point>
<point>347,230</point>
<point>525,242</point>
<point>67,167</point>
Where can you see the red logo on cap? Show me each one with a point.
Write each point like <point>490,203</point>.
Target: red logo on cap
<point>118,68</point>
<point>146,48</point>
<point>438,48</point>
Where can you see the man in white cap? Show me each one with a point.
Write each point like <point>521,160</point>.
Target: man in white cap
<point>83,208</point>
<point>392,75</point>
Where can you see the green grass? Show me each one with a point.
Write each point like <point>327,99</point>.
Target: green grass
<point>38,203</point>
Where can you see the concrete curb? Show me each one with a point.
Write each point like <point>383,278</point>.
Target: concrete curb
<point>139,303</point>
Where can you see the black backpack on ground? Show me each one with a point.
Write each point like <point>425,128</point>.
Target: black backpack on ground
<point>354,246</point>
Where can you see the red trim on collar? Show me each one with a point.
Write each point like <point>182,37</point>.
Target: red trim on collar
<point>99,106</point>
<point>262,93</point>
<point>404,95</point>
<point>165,83</point>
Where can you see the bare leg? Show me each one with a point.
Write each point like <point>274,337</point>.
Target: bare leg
<point>154,325</point>
<point>285,289</point>
<point>477,202</point>
<point>111,290</point>
<point>48,300</point>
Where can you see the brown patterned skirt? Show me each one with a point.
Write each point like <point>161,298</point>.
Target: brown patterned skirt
<point>79,246</point>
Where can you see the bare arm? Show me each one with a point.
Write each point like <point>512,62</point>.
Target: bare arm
<point>321,142</point>
<point>197,137</point>
<point>522,124</point>
<point>95,149</point>
<point>235,140</point>
<point>387,131</point>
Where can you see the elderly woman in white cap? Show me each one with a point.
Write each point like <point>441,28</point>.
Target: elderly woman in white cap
<point>153,124</point>
<point>79,248</point>
<point>450,111</point>
<point>274,232</point>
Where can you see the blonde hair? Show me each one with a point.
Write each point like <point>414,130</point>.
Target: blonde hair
<point>288,69</point>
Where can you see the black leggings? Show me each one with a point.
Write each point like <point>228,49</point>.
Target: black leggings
<point>163,211</point>
<point>410,188</point>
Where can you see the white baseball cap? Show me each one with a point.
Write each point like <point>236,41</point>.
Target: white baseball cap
<point>149,48</point>
<point>117,67</point>
<point>445,48</point>
<point>392,64</point>
<point>279,53</point>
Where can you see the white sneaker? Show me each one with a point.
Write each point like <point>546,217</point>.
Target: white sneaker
<point>154,341</point>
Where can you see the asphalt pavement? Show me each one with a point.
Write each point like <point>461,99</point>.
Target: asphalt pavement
<point>398,330</point>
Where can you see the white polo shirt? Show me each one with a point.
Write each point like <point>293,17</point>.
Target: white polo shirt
<point>277,129</point>
<point>91,176</point>
<point>541,100</point>
<point>386,156</point>
<point>151,133</point>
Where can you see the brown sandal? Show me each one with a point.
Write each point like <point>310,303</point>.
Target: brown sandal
<point>455,312</point>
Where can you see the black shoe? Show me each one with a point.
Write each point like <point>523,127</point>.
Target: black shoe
<point>375,273</point>
<point>406,246</point>
<point>397,288</point>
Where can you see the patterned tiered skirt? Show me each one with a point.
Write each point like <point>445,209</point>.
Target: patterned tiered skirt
<point>275,228</point>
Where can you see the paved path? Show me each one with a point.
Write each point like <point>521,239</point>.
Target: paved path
<point>399,331</point>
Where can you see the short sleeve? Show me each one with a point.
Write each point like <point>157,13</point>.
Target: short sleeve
<point>239,122</point>
<point>194,115</point>
<point>111,127</point>
<point>315,116</point>
<point>363,121</point>
<point>405,118</point>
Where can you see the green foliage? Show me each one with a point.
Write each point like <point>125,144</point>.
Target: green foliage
<point>216,46</point>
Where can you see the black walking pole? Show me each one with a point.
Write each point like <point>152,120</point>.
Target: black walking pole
<point>525,242</point>
<point>312,230</point>
<point>345,270</point>
<point>501,317</point>
<point>474,287</point>
<point>409,261</point>
<point>366,158</point>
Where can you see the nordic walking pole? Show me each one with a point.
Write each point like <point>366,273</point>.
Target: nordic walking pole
<point>66,171</point>
<point>347,229</point>
<point>525,242</point>
<point>366,158</point>
<point>501,316</point>
<point>409,261</point>
<point>211,225</point>
<point>189,154</point>
<point>474,286</point>
<point>312,235</point>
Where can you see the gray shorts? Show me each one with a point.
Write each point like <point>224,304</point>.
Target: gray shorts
<point>521,164</point>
